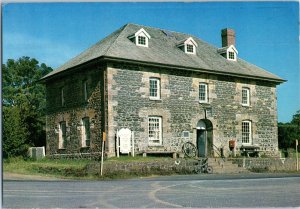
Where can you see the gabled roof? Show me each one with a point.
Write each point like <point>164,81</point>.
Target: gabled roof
<point>163,51</point>
<point>142,30</point>
<point>186,41</point>
<point>224,49</point>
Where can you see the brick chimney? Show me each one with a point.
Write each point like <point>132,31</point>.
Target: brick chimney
<point>228,37</point>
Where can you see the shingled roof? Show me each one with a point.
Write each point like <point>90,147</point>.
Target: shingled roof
<point>163,51</point>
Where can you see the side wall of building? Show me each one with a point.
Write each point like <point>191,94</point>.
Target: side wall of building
<point>129,106</point>
<point>79,102</point>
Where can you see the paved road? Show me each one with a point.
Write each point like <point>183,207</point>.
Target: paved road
<point>167,192</point>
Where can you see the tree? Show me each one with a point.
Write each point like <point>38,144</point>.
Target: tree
<point>296,119</point>
<point>23,105</point>
<point>289,132</point>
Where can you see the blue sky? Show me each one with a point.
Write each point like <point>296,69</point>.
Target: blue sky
<point>267,33</point>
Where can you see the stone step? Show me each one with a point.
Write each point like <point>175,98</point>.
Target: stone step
<point>224,166</point>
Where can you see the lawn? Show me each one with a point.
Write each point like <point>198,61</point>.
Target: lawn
<point>63,168</point>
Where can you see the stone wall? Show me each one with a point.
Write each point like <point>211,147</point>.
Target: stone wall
<point>161,167</point>
<point>129,107</point>
<point>267,164</point>
<point>75,108</point>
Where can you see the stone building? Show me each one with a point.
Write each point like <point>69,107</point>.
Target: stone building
<point>167,88</point>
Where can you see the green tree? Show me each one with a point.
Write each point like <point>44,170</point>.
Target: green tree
<point>289,132</point>
<point>296,119</point>
<point>23,100</point>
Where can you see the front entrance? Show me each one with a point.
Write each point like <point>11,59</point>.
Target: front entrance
<point>202,143</point>
<point>204,138</point>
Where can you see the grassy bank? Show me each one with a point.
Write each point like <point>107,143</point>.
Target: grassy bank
<point>71,169</point>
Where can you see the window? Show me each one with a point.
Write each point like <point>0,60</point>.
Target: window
<point>246,132</point>
<point>190,48</point>
<point>85,132</point>
<point>245,96</point>
<point>154,88</point>
<point>142,40</point>
<point>62,135</point>
<point>203,93</point>
<point>231,55</point>
<point>186,134</point>
<point>155,131</point>
<point>85,91</point>
<point>188,45</point>
<point>62,96</point>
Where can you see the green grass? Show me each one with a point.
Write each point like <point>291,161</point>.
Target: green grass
<point>56,168</point>
<point>62,168</point>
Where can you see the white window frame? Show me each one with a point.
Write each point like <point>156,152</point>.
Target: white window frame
<point>186,135</point>
<point>233,50</point>
<point>187,48</point>
<point>139,40</point>
<point>62,135</point>
<point>85,134</point>
<point>245,98</point>
<point>246,132</point>
<point>140,33</point>
<point>157,90</point>
<point>155,130</point>
<point>205,100</point>
<point>62,96</point>
<point>231,55</point>
<point>85,90</point>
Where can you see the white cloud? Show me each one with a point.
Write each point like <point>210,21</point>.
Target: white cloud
<point>47,51</point>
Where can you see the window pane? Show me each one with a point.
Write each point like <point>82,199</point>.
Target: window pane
<point>203,92</point>
<point>231,55</point>
<point>141,40</point>
<point>85,132</point>
<point>154,130</point>
<point>245,96</point>
<point>62,134</point>
<point>246,132</point>
<point>85,91</point>
<point>154,88</point>
<point>189,48</point>
<point>62,97</point>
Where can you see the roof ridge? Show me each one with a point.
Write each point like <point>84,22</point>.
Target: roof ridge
<point>158,28</point>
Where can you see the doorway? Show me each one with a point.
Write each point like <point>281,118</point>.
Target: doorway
<point>204,138</point>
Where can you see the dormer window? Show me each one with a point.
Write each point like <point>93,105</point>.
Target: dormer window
<point>188,46</point>
<point>230,53</point>
<point>140,38</point>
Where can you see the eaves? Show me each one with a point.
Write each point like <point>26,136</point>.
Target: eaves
<point>105,59</point>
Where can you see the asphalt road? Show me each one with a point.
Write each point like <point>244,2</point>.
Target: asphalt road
<point>200,191</point>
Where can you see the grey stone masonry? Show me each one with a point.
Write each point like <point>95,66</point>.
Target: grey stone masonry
<point>163,95</point>
<point>130,105</point>
<point>75,108</point>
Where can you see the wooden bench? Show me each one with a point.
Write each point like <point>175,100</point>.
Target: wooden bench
<point>250,149</point>
<point>174,154</point>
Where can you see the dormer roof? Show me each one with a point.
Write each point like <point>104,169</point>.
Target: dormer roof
<point>140,38</point>
<point>139,32</point>
<point>163,52</point>
<point>189,40</point>
<point>226,49</point>
<point>188,45</point>
<point>229,52</point>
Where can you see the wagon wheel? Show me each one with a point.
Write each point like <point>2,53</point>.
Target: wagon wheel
<point>209,169</point>
<point>189,149</point>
